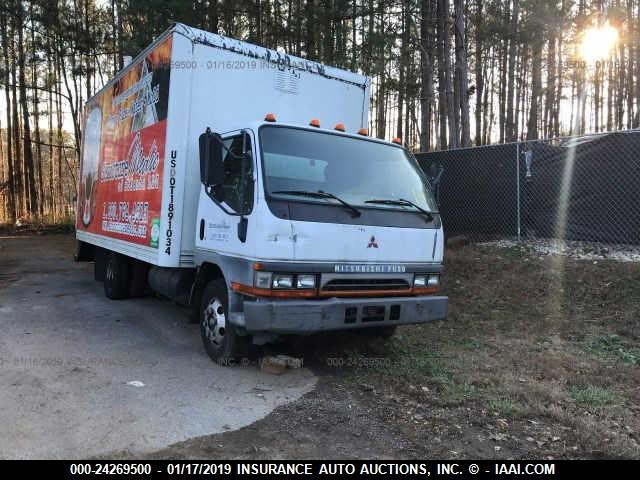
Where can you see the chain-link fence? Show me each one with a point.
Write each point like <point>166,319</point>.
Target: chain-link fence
<point>576,188</point>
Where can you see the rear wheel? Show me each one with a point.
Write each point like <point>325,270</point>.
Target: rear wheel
<point>220,338</point>
<point>117,277</point>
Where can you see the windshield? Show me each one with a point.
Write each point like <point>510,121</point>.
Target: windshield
<point>356,170</point>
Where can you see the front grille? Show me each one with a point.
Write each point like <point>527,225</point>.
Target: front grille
<point>371,313</point>
<point>355,284</point>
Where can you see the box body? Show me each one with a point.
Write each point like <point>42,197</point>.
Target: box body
<point>139,178</point>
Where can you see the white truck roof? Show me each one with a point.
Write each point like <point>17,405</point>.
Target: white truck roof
<point>203,37</point>
<point>262,53</point>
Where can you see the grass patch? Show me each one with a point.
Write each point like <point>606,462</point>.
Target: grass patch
<point>458,392</point>
<point>471,344</point>
<point>434,368</point>
<point>612,346</point>
<point>506,406</point>
<point>592,396</point>
<point>542,344</point>
<point>520,325</point>
<point>420,367</point>
<point>511,253</point>
<point>424,366</point>
<point>395,359</point>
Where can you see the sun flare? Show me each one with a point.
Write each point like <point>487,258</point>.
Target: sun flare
<point>598,43</point>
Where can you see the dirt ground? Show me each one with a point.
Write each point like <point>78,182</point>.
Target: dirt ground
<point>83,376</point>
<point>539,358</point>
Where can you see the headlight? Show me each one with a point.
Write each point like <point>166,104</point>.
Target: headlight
<point>268,280</point>
<point>282,281</point>
<point>430,280</point>
<point>419,280</point>
<point>262,280</point>
<point>306,281</point>
<point>433,280</point>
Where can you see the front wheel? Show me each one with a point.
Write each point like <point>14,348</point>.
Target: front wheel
<point>220,338</point>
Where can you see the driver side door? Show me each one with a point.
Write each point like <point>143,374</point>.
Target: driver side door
<point>221,207</point>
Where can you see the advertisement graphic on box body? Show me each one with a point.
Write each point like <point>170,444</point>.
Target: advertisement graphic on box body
<point>120,193</point>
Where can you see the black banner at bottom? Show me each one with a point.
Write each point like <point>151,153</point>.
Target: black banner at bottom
<point>447,469</point>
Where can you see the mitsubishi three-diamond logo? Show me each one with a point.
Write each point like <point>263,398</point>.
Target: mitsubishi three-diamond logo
<point>372,242</point>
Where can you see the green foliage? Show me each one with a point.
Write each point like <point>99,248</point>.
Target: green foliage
<point>592,396</point>
<point>612,346</point>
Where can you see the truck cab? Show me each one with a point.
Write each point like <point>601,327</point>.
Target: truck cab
<point>314,229</point>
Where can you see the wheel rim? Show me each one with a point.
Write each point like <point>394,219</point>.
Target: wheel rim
<point>109,274</point>
<point>214,322</point>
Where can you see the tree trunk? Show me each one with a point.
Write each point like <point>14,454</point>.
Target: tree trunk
<point>453,112</point>
<point>17,141</point>
<point>11,175</point>
<point>30,187</point>
<point>426,94</point>
<point>478,72</point>
<point>461,71</point>
<point>402,66</point>
<point>51,205</point>
<point>536,83</point>
<point>381,121</point>
<point>551,85</point>
<point>510,127</point>
<point>444,71</point>
<point>36,125</point>
<point>632,58</point>
<point>502,90</point>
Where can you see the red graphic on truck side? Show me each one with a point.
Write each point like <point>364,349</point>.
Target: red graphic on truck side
<point>120,191</point>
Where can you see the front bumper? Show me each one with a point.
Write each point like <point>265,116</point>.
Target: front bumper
<point>310,316</point>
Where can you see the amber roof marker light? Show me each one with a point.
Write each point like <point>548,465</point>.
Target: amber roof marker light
<point>363,131</point>
<point>269,117</point>
<point>315,123</point>
<point>397,140</point>
<point>340,127</point>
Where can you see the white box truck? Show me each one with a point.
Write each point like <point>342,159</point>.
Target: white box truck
<point>240,181</point>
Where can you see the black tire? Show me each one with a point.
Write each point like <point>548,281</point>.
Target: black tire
<point>221,341</point>
<point>117,277</point>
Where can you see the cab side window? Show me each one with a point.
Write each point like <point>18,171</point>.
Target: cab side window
<point>238,188</point>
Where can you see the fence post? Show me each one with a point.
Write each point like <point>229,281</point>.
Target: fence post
<point>518,185</point>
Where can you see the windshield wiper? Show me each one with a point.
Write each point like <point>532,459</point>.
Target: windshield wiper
<point>320,194</point>
<point>407,203</point>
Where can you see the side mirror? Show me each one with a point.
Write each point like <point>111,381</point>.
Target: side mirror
<point>211,167</point>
